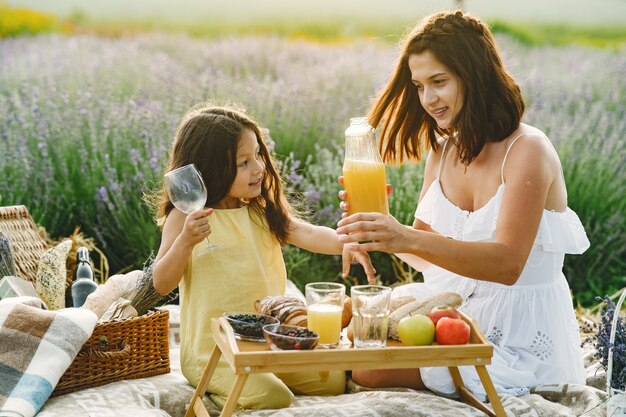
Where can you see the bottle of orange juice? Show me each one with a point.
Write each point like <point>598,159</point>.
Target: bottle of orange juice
<point>364,170</point>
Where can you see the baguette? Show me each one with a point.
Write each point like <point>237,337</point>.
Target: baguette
<point>421,306</point>
<point>396,303</point>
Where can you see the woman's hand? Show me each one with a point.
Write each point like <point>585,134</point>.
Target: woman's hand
<point>196,227</point>
<point>380,232</point>
<point>343,196</point>
<point>351,253</point>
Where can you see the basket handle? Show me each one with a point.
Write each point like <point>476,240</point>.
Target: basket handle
<point>123,351</point>
<point>609,371</point>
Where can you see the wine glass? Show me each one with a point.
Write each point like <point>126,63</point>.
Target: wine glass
<point>188,193</point>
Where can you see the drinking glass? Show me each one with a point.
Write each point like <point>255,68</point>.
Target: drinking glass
<point>187,192</point>
<point>370,315</point>
<point>324,302</point>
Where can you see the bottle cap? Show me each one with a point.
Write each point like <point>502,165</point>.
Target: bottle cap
<point>82,254</point>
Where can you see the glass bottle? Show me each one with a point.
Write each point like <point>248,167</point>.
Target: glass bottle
<point>363,169</point>
<point>83,284</point>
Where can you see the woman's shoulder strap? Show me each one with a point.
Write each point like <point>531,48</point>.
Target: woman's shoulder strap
<point>507,154</point>
<point>443,152</point>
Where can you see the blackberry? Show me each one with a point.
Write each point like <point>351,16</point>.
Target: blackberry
<point>250,325</point>
<point>297,338</point>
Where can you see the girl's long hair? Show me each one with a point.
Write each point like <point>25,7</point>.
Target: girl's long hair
<point>492,104</point>
<point>208,137</point>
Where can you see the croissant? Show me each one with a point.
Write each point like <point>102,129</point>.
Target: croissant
<point>288,310</point>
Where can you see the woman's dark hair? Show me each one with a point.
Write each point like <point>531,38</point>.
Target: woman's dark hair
<point>492,104</point>
<point>208,137</point>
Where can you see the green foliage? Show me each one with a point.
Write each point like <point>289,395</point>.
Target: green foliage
<point>595,174</point>
<point>16,21</point>
<point>534,34</point>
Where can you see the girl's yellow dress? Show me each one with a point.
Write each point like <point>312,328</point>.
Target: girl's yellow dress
<point>247,266</point>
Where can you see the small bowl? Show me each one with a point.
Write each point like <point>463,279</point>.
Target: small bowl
<point>249,326</point>
<point>285,337</point>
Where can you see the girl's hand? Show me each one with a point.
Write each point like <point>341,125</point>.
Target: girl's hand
<point>382,233</point>
<point>196,227</point>
<point>343,195</point>
<point>352,253</point>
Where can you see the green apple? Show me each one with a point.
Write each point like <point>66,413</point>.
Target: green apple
<point>417,330</point>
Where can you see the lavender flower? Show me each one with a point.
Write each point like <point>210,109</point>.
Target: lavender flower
<point>601,342</point>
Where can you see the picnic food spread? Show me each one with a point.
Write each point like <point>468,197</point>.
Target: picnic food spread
<point>293,311</point>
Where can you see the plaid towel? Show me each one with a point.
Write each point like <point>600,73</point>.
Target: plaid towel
<point>36,348</point>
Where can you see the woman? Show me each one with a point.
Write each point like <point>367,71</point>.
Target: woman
<point>492,221</point>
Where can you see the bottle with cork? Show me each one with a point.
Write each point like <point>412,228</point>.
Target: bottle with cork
<point>83,284</point>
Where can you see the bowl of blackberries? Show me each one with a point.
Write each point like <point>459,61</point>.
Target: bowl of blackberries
<point>249,326</point>
<point>285,337</point>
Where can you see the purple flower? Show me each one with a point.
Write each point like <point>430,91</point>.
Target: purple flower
<point>313,196</point>
<point>102,195</point>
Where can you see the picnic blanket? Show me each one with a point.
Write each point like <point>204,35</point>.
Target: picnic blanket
<point>36,348</point>
<point>169,395</point>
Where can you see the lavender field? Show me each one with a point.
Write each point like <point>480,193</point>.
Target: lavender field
<point>86,124</point>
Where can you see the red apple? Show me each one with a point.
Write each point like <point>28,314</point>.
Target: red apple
<point>443,311</point>
<point>452,331</point>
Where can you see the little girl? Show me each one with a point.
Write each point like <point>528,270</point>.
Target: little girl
<point>248,218</point>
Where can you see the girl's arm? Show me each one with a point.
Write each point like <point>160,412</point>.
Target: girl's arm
<point>321,239</point>
<point>180,234</point>
<point>529,173</point>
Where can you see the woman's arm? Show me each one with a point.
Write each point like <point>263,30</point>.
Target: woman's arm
<point>529,173</point>
<point>180,234</point>
<point>430,174</point>
<point>431,167</point>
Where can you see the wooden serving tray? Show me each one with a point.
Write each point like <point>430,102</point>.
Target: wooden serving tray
<point>246,358</point>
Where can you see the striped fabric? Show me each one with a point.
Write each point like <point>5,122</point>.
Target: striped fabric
<point>36,348</point>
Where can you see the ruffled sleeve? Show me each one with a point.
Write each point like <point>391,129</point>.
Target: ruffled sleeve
<point>426,206</point>
<point>562,232</point>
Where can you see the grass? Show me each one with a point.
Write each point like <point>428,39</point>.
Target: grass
<point>86,123</point>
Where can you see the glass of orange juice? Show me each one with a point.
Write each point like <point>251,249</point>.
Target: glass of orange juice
<point>363,170</point>
<point>324,302</point>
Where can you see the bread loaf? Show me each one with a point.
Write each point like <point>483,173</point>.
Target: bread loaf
<point>346,315</point>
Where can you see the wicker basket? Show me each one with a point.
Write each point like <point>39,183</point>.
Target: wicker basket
<point>26,244</point>
<point>130,348</point>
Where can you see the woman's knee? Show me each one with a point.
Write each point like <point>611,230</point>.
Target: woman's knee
<point>380,378</point>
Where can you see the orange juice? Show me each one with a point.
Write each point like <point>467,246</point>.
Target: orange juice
<point>366,186</point>
<point>325,320</point>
